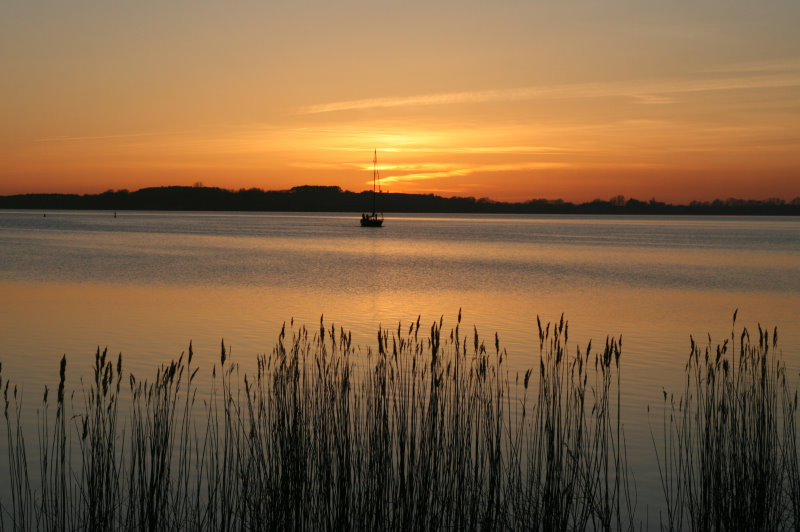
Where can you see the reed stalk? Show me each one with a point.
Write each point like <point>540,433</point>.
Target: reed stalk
<point>425,429</point>
<point>728,458</point>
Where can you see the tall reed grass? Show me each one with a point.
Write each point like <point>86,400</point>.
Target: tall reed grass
<point>729,456</point>
<point>425,430</point>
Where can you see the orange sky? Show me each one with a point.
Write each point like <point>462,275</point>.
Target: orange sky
<point>672,100</point>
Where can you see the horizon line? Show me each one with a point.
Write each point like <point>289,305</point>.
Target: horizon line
<point>777,201</point>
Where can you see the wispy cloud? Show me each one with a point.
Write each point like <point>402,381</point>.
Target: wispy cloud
<point>426,175</point>
<point>397,173</point>
<point>67,138</point>
<point>649,92</point>
<point>461,171</point>
<point>448,98</point>
<point>478,150</point>
<point>775,65</point>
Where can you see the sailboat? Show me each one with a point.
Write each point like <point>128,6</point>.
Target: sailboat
<point>367,219</point>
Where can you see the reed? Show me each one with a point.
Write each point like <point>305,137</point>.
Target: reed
<point>728,459</point>
<point>425,429</point>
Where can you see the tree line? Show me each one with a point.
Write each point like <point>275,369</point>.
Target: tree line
<point>334,199</point>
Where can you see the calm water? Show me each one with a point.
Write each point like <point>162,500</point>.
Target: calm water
<point>144,284</point>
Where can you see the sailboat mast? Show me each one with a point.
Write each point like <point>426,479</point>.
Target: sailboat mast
<point>367,219</point>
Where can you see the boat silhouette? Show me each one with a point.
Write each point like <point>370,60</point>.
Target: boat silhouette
<point>373,219</point>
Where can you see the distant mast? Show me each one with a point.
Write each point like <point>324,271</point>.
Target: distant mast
<point>374,179</point>
<point>372,219</point>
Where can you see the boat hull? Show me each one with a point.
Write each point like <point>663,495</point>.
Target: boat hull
<point>371,222</point>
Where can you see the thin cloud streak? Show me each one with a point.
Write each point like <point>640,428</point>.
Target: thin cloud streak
<point>95,137</point>
<point>461,172</point>
<point>785,65</point>
<point>482,150</point>
<point>645,92</point>
<point>368,167</point>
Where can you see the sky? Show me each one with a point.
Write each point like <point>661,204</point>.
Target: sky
<point>675,100</point>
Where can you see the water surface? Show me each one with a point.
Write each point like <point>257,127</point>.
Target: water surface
<point>144,284</point>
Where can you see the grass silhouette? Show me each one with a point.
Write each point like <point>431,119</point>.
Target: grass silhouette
<point>427,430</point>
<point>729,457</point>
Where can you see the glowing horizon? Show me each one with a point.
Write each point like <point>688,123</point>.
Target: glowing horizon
<point>516,102</point>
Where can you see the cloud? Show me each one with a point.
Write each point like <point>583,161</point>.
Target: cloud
<point>648,92</point>
<point>467,170</point>
<point>479,150</point>
<point>523,93</point>
<point>66,138</point>
<point>776,65</point>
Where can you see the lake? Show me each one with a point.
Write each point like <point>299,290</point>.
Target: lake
<point>145,284</point>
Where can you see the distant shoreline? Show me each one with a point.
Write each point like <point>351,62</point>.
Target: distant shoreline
<point>334,199</point>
